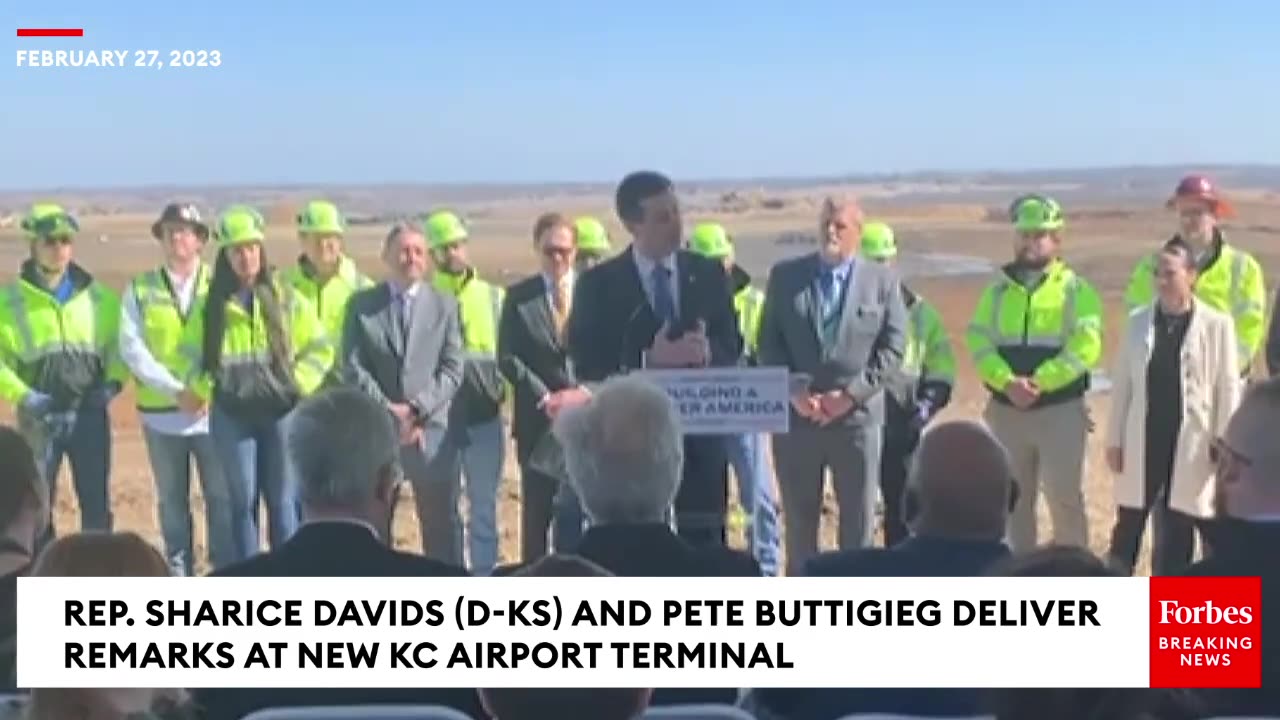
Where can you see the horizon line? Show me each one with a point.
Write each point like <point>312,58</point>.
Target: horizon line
<point>899,175</point>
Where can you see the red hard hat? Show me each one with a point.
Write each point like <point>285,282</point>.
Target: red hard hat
<point>1201,187</point>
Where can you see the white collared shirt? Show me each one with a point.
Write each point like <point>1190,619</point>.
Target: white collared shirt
<point>550,286</point>
<point>645,266</point>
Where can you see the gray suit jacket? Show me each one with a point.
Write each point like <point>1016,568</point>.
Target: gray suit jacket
<point>868,346</point>
<point>424,369</point>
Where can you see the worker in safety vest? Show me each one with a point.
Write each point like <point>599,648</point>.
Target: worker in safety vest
<point>747,456</point>
<point>59,362</point>
<point>323,274</point>
<point>1229,279</point>
<point>475,443</point>
<point>157,307</point>
<point>1035,338</point>
<point>251,351</point>
<point>918,390</point>
<point>593,242</point>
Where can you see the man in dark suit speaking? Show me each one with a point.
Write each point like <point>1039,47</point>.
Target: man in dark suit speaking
<point>655,305</point>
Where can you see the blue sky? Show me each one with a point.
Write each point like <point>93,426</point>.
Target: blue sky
<point>436,91</point>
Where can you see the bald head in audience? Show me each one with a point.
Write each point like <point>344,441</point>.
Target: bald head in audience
<point>960,484</point>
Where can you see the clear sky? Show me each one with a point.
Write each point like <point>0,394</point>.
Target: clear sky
<point>443,91</point>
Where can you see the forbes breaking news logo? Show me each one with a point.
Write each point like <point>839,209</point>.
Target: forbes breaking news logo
<point>1206,632</point>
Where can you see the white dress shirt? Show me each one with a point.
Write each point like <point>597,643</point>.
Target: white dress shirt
<point>645,266</point>
<point>551,288</point>
<point>149,371</point>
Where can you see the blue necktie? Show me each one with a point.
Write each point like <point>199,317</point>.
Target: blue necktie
<point>663,304</point>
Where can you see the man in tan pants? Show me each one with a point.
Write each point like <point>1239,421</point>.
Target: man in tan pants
<point>1035,336</point>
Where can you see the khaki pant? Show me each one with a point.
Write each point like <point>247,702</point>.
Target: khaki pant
<point>1046,447</point>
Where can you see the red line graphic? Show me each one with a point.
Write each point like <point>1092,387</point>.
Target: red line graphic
<point>50,32</point>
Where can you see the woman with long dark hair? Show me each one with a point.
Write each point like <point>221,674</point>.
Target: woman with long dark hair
<point>255,349</point>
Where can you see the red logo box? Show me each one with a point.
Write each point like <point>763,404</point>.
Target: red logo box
<point>1206,632</point>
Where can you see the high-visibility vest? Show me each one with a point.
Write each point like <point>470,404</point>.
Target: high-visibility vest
<point>1051,333</point>
<point>748,303</point>
<point>163,327</point>
<point>1233,284</point>
<point>246,352</point>
<point>329,298</point>
<point>928,355</point>
<point>61,349</point>
<point>479,307</point>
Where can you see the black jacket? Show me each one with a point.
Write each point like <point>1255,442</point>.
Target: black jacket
<point>333,549</point>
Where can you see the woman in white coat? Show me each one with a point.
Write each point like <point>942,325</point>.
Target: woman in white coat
<point>1175,385</point>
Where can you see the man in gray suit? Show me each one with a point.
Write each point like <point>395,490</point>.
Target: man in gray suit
<point>839,325</point>
<point>401,343</point>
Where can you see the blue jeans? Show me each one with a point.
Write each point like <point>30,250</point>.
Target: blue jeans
<point>755,491</point>
<point>83,437</point>
<point>567,519</point>
<point>171,457</point>
<point>478,452</point>
<point>251,454</point>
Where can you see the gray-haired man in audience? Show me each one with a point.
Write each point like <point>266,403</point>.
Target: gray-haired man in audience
<point>344,448</point>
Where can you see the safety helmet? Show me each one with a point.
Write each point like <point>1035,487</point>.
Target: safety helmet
<point>1201,188</point>
<point>320,217</point>
<point>878,242</point>
<point>592,237</point>
<point>240,225</point>
<point>48,220</point>
<point>444,228</point>
<point>1036,213</point>
<point>181,213</point>
<point>710,240</point>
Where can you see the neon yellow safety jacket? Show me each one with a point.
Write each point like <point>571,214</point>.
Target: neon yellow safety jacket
<point>64,350</point>
<point>483,388</point>
<point>246,383</point>
<point>748,304</point>
<point>1232,283</point>
<point>329,298</point>
<point>1050,332</point>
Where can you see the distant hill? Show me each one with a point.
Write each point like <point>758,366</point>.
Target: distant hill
<point>1105,186</point>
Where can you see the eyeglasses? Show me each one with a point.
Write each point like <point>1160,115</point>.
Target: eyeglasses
<point>1226,458</point>
<point>557,252</point>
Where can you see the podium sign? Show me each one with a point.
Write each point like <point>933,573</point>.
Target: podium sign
<point>728,401</point>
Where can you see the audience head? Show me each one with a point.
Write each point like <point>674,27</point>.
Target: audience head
<point>344,448</point>
<point>99,554</point>
<point>24,496</point>
<point>1072,703</point>
<point>539,703</point>
<point>1055,561</point>
<point>624,452</point>
<point>647,206</point>
<point>1248,458</point>
<point>960,484</point>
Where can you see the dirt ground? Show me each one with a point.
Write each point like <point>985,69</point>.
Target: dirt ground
<point>1103,246</point>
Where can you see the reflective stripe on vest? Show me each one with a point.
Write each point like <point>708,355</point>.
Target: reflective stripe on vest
<point>1055,342</point>
<point>748,302</point>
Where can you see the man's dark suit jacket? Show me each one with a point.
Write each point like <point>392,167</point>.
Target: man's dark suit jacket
<point>532,359</point>
<point>655,551</point>
<point>612,322</point>
<point>333,549</point>
<point>913,557</point>
<point>1238,548</point>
